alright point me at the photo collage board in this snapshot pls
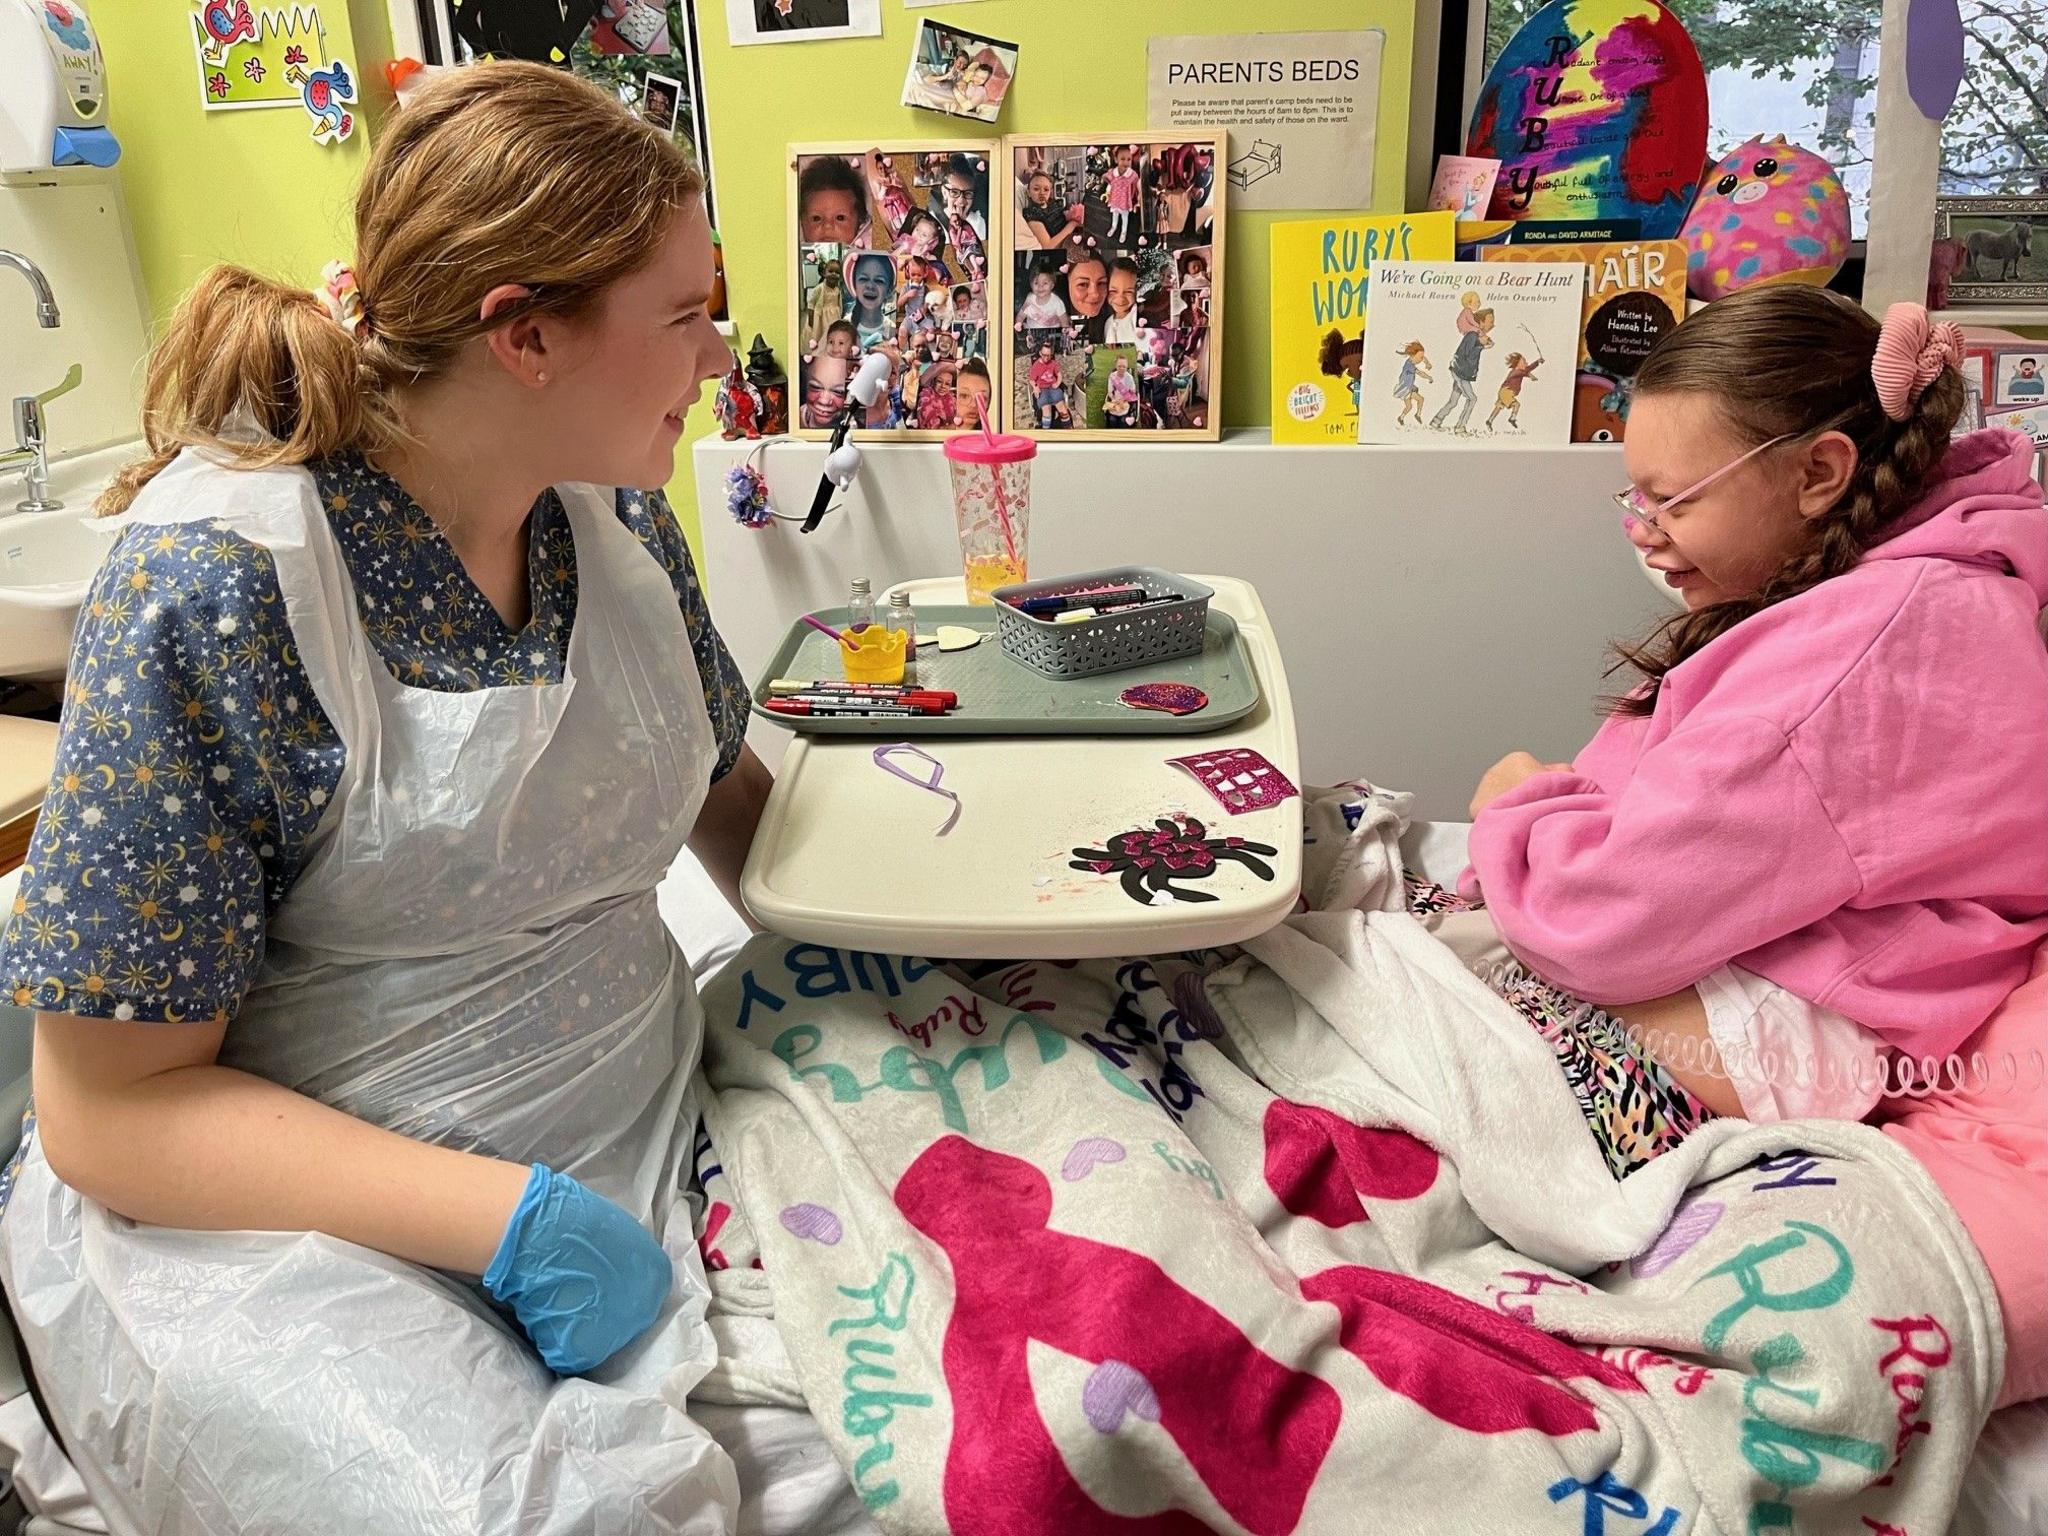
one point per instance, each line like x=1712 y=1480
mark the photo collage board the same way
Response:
x=1065 y=286
x=1114 y=286
x=893 y=259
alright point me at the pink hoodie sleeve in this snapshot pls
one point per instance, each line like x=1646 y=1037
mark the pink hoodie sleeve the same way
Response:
x=1718 y=844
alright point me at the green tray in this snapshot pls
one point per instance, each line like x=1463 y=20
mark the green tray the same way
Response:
x=1000 y=697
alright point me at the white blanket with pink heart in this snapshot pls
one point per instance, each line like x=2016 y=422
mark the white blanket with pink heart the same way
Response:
x=1300 y=1241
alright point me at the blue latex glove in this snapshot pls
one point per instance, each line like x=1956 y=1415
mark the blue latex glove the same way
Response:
x=583 y=1278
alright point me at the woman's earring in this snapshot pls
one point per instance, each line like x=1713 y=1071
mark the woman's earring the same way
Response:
x=541 y=377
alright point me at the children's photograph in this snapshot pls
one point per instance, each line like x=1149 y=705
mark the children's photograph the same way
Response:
x=959 y=73
x=658 y=101
x=891 y=259
x=1100 y=292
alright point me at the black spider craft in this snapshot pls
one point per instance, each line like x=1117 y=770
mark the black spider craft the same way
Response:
x=1178 y=847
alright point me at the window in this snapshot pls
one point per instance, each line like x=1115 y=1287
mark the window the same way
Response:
x=1808 y=69
x=1995 y=141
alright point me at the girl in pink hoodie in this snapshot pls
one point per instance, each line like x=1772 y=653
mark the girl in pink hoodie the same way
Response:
x=1817 y=832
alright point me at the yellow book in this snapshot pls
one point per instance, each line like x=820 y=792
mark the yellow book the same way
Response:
x=1321 y=279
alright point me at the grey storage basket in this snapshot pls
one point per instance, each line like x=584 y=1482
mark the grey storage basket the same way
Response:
x=1111 y=642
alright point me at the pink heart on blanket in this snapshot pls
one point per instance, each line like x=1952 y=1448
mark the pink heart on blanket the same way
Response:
x=812 y=1222
x=1113 y=1390
x=1086 y=1154
x=1689 y=1223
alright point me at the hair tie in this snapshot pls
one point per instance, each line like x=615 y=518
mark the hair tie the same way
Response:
x=342 y=297
x=1911 y=353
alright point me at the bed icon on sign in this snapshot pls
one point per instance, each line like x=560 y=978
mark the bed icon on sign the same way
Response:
x=1255 y=164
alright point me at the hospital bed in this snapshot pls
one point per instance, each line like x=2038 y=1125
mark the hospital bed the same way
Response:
x=790 y=1481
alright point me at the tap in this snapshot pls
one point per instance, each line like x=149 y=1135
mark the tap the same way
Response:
x=31 y=451
x=46 y=301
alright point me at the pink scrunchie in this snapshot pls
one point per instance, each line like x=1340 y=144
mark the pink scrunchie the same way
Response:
x=1911 y=352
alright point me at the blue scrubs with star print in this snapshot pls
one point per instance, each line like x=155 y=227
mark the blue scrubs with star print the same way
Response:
x=194 y=760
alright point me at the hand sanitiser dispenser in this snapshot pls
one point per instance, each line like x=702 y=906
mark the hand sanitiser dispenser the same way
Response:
x=53 y=89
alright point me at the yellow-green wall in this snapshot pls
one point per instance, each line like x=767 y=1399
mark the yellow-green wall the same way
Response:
x=204 y=187
x=252 y=187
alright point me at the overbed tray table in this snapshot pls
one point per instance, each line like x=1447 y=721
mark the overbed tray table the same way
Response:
x=846 y=854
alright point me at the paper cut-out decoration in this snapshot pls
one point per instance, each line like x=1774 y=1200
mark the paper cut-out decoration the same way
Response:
x=1176 y=848
x=956 y=637
x=1597 y=110
x=225 y=25
x=246 y=52
x=1770 y=212
x=1934 y=55
x=324 y=93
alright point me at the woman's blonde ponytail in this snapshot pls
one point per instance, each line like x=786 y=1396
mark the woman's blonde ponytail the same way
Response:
x=256 y=372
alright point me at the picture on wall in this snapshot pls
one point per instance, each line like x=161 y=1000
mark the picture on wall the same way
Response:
x=1999 y=249
x=892 y=258
x=1113 y=298
x=1473 y=351
x=959 y=73
x=645 y=52
x=2019 y=374
x=800 y=21
x=269 y=56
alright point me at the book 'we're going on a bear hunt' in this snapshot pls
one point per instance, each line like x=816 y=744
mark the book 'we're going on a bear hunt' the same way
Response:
x=1471 y=352
x=1322 y=270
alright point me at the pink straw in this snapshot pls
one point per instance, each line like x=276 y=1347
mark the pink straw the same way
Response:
x=996 y=479
x=826 y=629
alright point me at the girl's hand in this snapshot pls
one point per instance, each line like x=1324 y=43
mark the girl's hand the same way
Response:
x=1509 y=773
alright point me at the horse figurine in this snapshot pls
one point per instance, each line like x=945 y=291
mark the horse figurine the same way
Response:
x=2008 y=250
x=323 y=91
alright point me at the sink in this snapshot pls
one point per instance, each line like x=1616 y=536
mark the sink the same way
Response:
x=47 y=561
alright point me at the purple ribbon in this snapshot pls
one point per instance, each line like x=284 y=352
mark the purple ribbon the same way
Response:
x=930 y=782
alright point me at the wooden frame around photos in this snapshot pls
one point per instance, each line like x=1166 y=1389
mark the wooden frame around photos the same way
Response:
x=1965 y=293
x=1002 y=192
x=993 y=246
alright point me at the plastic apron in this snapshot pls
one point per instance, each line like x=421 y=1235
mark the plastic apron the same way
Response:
x=471 y=955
